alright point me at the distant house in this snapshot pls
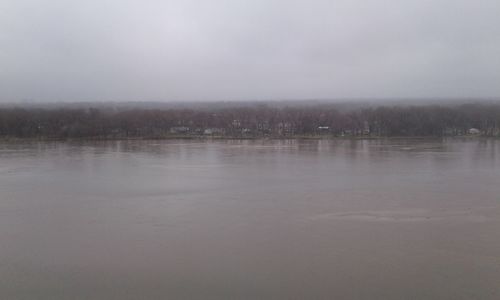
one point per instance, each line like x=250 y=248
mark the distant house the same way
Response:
x=263 y=126
x=323 y=129
x=179 y=129
x=474 y=131
x=236 y=123
x=366 y=128
x=212 y=131
x=285 y=128
x=347 y=132
x=208 y=131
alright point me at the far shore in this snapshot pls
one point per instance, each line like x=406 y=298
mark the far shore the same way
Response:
x=205 y=138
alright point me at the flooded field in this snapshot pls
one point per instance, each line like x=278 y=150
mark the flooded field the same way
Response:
x=240 y=219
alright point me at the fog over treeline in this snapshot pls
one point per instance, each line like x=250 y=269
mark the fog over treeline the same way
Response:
x=249 y=120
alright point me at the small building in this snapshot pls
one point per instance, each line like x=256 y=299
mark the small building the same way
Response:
x=213 y=131
x=323 y=129
x=285 y=128
x=179 y=129
x=263 y=126
x=236 y=123
x=366 y=128
x=474 y=131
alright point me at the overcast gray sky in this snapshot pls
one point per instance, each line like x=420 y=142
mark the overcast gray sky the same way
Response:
x=133 y=50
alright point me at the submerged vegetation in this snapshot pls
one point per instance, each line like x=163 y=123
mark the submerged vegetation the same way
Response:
x=256 y=120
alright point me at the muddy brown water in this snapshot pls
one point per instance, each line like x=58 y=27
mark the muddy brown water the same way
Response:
x=289 y=219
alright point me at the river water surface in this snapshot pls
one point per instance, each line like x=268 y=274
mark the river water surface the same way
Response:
x=379 y=219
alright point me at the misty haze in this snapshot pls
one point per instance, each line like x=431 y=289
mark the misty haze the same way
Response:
x=249 y=149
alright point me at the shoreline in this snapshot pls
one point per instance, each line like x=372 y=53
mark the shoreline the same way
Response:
x=219 y=138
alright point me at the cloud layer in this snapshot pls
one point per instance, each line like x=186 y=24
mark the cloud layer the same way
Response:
x=181 y=50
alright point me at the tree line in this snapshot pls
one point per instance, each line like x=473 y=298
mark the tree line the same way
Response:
x=258 y=120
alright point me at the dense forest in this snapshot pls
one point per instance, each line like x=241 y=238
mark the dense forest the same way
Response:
x=257 y=120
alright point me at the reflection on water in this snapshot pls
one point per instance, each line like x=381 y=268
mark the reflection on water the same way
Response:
x=242 y=219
